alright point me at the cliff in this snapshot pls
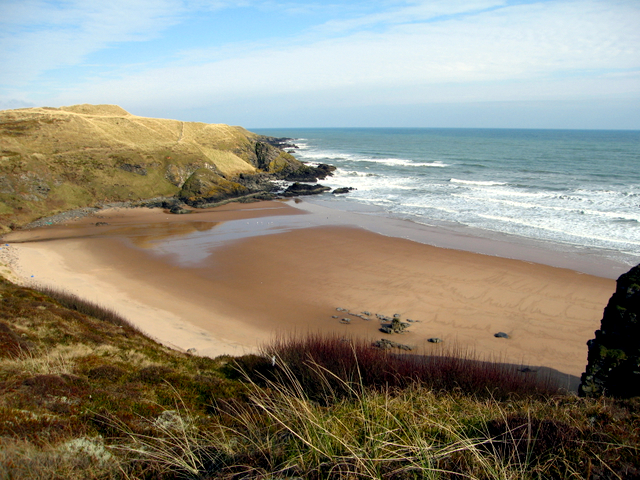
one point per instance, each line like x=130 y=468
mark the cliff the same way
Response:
x=57 y=159
x=613 y=366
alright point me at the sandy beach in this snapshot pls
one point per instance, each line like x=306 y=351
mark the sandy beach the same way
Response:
x=226 y=280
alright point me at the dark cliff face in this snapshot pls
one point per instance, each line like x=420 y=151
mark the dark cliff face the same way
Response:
x=613 y=366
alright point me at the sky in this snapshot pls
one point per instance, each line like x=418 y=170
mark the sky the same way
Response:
x=287 y=63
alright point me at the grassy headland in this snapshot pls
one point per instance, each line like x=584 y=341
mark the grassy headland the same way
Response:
x=85 y=395
x=57 y=159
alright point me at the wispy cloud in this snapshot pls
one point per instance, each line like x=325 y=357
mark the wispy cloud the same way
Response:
x=412 y=12
x=37 y=36
x=360 y=53
x=524 y=42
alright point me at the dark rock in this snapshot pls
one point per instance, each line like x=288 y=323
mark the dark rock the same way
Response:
x=257 y=197
x=257 y=182
x=133 y=168
x=307 y=173
x=323 y=171
x=385 y=344
x=266 y=155
x=501 y=335
x=298 y=189
x=435 y=340
x=613 y=361
x=178 y=210
x=163 y=203
x=342 y=190
x=279 y=142
x=272 y=160
x=101 y=224
x=345 y=320
x=205 y=186
x=396 y=326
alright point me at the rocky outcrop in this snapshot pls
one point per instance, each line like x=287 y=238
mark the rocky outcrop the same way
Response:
x=285 y=166
x=613 y=364
x=307 y=173
x=396 y=326
x=133 y=168
x=206 y=186
x=298 y=189
x=272 y=160
x=279 y=142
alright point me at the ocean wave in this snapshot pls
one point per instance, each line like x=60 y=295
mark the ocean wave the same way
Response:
x=567 y=234
x=612 y=215
x=477 y=182
x=324 y=155
x=353 y=173
x=401 y=162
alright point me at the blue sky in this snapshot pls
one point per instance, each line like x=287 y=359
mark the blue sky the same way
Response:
x=385 y=63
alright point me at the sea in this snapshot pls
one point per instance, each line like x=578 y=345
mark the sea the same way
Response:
x=578 y=188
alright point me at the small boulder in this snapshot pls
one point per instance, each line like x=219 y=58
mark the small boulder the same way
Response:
x=434 y=340
x=342 y=190
x=178 y=210
x=501 y=335
x=385 y=344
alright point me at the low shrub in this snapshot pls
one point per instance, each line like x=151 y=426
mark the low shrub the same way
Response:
x=327 y=366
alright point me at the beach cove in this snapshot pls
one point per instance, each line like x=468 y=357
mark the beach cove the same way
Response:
x=228 y=280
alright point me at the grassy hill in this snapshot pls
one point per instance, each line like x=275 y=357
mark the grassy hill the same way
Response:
x=57 y=159
x=83 y=395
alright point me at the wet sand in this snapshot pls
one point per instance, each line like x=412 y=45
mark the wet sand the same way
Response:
x=228 y=280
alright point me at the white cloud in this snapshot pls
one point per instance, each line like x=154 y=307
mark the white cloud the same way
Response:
x=527 y=45
x=38 y=36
